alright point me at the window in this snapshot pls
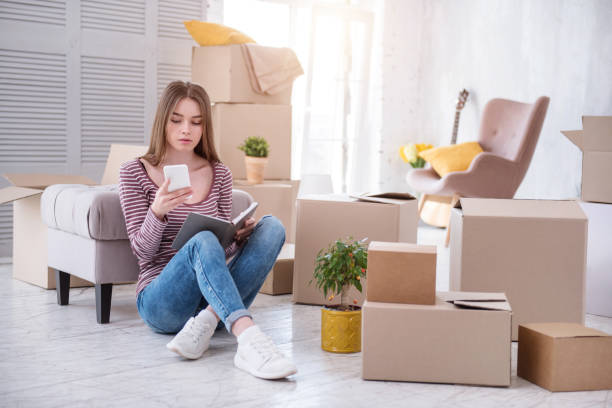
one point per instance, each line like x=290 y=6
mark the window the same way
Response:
x=333 y=41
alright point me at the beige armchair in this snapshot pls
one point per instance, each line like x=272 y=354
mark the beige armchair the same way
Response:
x=509 y=132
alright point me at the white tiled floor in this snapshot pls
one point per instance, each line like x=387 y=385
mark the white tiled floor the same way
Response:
x=59 y=356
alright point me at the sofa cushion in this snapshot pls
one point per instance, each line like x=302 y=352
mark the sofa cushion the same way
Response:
x=89 y=211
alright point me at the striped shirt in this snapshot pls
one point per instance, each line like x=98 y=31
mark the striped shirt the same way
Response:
x=150 y=237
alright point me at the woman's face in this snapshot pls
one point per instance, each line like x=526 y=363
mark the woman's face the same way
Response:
x=184 y=128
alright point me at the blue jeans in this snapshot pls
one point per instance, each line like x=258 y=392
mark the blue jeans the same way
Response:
x=198 y=276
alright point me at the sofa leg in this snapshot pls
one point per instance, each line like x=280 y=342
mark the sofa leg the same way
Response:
x=62 y=287
x=104 y=293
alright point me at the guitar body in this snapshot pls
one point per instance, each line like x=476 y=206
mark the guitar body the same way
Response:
x=435 y=209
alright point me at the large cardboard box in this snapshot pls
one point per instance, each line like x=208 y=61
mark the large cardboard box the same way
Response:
x=463 y=339
x=565 y=357
x=30 y=232
x=595 y=141
x=599 y=259
x=322 y=219
x=222 y=71
x=277 y=198
x=533 y=250
x=280 y=278
x=400 y=272
x=233 y=123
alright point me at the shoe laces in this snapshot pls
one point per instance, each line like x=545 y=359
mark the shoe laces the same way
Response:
x=265 y=347
x=197 y=330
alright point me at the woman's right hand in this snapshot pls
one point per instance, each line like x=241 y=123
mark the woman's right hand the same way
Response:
x=165 y=202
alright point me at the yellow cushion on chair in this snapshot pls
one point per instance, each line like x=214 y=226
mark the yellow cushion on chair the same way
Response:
x=447 y=159
x=215 y=34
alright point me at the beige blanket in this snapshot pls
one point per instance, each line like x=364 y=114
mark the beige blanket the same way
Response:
x=271 y=69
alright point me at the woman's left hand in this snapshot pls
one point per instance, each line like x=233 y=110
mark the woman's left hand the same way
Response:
x=243 y=233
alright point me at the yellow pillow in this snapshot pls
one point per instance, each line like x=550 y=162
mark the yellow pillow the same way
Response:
x=215 y=34
x=447 y=159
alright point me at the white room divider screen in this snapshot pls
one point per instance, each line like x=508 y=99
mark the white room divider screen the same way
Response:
x=76 y=76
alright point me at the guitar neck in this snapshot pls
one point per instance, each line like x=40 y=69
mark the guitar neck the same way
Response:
x=455 y=127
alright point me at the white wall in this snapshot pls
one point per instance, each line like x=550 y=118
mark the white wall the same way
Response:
x=512 y=49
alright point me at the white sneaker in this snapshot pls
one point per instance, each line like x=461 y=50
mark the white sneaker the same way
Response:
x=194 y=338
x=259 y=356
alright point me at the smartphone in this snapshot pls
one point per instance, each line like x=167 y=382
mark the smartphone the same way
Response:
x=178 y=175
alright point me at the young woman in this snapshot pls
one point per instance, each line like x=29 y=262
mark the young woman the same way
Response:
x=191 y=290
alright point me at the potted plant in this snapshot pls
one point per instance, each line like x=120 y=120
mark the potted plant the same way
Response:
x=256 y=157
x=342 y=265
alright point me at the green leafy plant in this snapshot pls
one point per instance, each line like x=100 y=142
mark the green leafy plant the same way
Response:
x=342 y=265
x=255 y=146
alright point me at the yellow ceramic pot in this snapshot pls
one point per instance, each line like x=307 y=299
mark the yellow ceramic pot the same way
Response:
x=341 y=331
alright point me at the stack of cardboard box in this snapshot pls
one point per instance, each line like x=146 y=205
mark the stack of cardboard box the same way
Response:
x=239 y=112
x=595 y=140
x=411 y=334
x=324 y=218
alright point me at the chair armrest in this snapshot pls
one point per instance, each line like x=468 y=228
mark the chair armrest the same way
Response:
x=89 y=211
x=489 y=175
x=486 y=160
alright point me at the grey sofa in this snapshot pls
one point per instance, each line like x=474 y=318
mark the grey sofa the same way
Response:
x=88 y=239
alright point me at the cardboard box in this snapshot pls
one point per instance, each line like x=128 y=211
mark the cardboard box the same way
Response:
x=599 y=259
x=222 y=71
x=463 y=339
x=30 y=232
x=533 y=250
x=280 y=278
x=322 y=219
x=233 y=123
x=276 y=198
x=399 y=272
x=565 y=357
x=595 y=141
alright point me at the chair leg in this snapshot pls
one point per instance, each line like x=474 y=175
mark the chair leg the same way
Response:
x=62 y=287
x=454 y=202
x=421 y=203
x=104 y=293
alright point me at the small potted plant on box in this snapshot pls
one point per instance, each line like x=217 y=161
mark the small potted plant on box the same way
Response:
x=256 y=157
x=342 y=265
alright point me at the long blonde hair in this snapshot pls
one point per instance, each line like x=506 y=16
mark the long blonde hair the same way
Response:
x=172 y=95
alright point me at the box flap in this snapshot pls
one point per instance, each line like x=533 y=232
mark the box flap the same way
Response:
x=493 y=207
x=42 y=180
x=327 y=197
x=564 y=330
x=266 y=184
x=118 y=155
x=597 y=134
x=477 y=300
x=385 y=198
x=575 y=136
x=401 y=247
x=13 y=193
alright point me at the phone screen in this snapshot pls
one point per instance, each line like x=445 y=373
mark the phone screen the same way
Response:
x=178 y=175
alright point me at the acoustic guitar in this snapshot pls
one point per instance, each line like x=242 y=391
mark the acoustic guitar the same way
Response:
x=435 y=209
x=463 y=95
